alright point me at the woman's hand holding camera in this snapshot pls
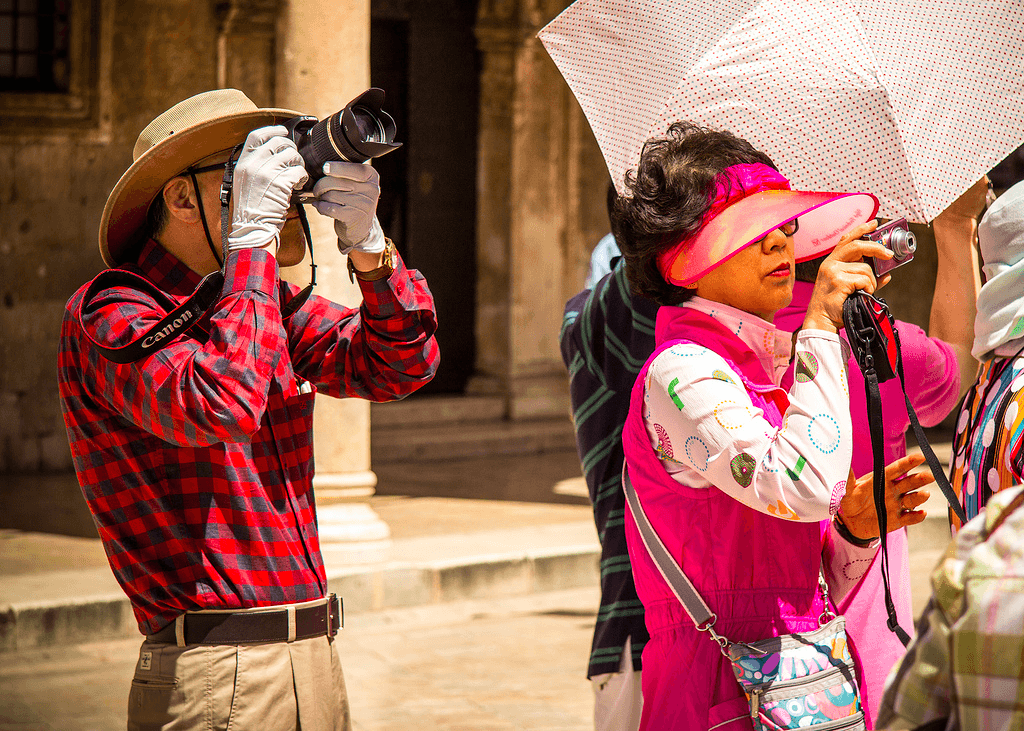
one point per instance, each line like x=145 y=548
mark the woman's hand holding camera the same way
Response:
x=268 y=171
x=840 y=275
x=903 y=497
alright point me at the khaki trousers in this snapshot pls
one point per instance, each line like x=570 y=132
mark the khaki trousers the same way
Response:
x=277 y=686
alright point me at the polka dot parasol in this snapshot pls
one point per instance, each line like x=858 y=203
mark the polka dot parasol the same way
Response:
x=910 y=100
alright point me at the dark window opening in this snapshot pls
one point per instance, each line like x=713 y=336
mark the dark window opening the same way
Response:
x=34 y=45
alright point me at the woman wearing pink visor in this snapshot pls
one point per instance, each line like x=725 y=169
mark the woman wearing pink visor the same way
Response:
x=746 y=484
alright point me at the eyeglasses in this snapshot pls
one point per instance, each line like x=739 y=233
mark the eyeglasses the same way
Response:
x=207 y=168
x=788 y=229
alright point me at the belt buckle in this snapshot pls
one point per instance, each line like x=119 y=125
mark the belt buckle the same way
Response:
x=332 y=629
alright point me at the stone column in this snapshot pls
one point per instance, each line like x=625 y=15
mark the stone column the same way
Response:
x=323 y=63
x=533 y=148
x=246 y=47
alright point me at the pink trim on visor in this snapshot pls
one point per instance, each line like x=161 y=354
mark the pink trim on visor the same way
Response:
x=751 y=201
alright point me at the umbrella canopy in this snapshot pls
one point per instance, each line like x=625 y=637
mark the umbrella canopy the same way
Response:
x=910 y=100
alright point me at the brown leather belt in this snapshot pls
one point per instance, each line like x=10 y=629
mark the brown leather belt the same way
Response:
x=281 y=623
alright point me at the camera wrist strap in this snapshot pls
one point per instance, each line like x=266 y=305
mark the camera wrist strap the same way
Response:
x=878 y=493
x=288 y=308
x=870 y=341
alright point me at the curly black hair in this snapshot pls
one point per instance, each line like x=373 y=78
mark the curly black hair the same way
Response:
x=667 y=197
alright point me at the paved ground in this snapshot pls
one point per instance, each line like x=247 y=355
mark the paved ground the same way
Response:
x=515 y=662
x=483 y=665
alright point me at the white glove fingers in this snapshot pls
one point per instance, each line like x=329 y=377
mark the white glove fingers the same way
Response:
x=356 y=199
x=291 y=162
x=340 y=211
x=338 y=189
x=279 y=145
x=351 y=171
x=267 y=172
x=258 y=136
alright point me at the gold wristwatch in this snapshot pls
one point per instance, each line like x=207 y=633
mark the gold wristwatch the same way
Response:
x=382 y=272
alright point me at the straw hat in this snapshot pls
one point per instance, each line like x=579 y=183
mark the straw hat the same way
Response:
x=188 y=132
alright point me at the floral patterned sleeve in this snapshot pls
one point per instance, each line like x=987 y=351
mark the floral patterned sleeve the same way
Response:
x=707 y=430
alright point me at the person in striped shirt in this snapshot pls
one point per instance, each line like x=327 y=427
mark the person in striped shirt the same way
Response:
x=607 y=334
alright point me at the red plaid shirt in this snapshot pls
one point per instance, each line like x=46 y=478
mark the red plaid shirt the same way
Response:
x=197 y=461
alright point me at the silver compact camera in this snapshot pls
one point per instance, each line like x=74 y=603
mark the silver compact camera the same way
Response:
x=897 y=238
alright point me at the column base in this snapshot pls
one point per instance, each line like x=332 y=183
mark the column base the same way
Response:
x=353 y=528
x=345 y=485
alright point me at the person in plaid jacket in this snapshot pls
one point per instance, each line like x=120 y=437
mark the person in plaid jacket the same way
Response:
x=196 y=459
x=964 y=667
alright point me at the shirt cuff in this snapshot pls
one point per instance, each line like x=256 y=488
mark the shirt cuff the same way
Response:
x=848 y=563
x=386 y=297
x=250 y=270
x=818 y=334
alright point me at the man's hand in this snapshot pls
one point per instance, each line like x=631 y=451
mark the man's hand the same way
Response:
x=348 y=193
x=903 y=497
x=268 y=171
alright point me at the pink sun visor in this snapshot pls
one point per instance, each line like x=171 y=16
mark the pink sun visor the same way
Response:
x=750 y=202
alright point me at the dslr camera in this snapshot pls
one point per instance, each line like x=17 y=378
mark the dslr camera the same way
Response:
x=359 y=132
x=897 y=238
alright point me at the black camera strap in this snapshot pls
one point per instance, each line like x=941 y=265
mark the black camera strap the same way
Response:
x=872 y=334
x=288 y=308
x=178 y=320
x=181 y=317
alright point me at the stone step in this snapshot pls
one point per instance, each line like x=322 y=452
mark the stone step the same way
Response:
x=448 y=440
x=50 y=608
x=433 y=410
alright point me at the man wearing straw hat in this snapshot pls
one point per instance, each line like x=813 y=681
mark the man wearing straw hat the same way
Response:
x=191 y=425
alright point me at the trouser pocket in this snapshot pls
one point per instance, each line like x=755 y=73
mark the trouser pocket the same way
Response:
x=150 y=702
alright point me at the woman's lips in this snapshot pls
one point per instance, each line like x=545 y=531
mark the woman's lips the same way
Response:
x=780 y=271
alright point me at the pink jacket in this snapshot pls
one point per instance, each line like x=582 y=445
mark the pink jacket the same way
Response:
x=757 y=572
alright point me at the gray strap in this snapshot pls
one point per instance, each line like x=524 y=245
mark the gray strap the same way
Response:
x=685 y=592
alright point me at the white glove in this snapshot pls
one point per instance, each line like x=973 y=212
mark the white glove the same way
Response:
x=268 y=171
x=348 y=193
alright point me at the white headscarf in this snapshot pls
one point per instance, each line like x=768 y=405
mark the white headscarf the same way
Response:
x=1001 y=300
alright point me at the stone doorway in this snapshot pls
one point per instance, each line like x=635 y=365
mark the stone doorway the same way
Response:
x=424 y=55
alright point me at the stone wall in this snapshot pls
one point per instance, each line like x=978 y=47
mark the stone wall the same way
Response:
x=54 y=180
x=540 y=209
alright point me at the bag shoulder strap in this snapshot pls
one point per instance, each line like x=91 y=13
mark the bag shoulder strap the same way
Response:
x=677 y=581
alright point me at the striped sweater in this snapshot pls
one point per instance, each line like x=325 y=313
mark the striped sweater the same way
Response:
x=607 y=335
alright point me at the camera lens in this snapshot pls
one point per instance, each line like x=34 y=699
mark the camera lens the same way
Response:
x=368 y=125
x=359 y=132
x=903 y=243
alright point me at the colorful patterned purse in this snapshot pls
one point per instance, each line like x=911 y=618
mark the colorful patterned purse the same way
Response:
x=801 y=680
x=796 y=681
